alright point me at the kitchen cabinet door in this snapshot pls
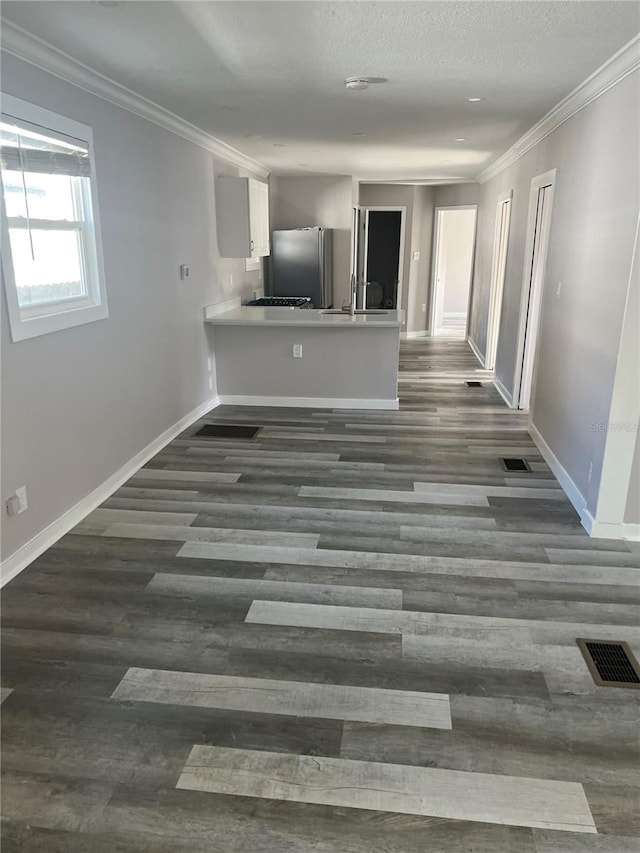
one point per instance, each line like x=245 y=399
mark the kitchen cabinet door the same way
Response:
x=242 y=217
x=259 y=216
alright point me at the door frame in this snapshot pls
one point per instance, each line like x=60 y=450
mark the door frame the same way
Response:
x=433 y=300
x=531 y=299
x=498 y=277
x=389 y=208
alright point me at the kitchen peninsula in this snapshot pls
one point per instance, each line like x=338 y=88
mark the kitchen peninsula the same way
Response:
x=306 y=358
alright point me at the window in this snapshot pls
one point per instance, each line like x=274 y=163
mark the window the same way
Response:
x=51 y=244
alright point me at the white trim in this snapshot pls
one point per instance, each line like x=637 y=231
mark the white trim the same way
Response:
x=431 y=328
x=610 y=530
x=308 y=402
x=475 y=350
x=532 y=290
x=631 y=531
x=217 y=308
x=498 y=274
x=500 y=388
x=617 y=459
x=36 y=51
x=408 y=336
x=568 y=486
x=32 y=321
x=402 y=210
x=25 y=555
x=615 y=69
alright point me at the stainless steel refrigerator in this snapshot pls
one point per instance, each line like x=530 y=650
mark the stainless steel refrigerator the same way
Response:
x=302 y=264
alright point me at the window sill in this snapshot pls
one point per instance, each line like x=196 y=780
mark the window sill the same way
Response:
x=22 y=328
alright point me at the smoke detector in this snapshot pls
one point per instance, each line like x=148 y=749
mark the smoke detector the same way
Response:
x=356 y=84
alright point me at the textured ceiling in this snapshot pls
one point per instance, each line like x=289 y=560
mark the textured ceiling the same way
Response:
x=276 y=69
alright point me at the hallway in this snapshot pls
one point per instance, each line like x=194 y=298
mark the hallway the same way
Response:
x=354 y=633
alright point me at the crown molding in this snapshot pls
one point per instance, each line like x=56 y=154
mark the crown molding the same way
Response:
x=30 y=48
x=615 y=69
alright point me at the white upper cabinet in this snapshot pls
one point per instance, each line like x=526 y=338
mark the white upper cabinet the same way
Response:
x=242 y=214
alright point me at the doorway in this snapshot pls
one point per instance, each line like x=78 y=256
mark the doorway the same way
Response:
x=454 y=240
x=498 y=270
x=379 y=256
x=535 y=262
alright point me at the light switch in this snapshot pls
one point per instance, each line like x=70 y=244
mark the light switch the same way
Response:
x=297 y=350
x=184 y=271
x=416 y=256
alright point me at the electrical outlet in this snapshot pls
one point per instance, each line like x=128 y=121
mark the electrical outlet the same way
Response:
x=209 y=363
x=211 y=383
x=424 y=307
x=184 y=271
x=297 y=350
x=416 y=256
x=17 y=502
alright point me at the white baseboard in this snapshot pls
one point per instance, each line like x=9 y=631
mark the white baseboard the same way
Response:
x=609 y=529
x=631 y=532
x=25 y=555
x=497 y=384
x=308 y=402
x=409 y=336
x=475 y=350
x=595 y=529
x=568 y=486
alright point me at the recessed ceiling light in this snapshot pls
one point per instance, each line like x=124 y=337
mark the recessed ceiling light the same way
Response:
x=356 y=84
x=358 y=134
x=461 y=139
x=304 y=164
x=475 y=100
x=254 y=136
x=279 y=145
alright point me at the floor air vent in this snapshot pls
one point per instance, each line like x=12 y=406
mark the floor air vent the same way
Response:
x=511 y=464
x=227 y=431
x=610 y=663
x=474 y=384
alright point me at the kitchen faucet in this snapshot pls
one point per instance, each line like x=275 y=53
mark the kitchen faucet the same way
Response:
x=354 y=291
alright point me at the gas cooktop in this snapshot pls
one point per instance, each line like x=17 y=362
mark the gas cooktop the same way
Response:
x=282 y=302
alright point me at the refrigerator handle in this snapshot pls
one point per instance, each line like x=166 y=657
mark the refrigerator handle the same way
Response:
x=321 y=269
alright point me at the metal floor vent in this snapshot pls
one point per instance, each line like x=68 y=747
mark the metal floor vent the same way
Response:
x=227 y=431
x=611 y=663
x=473 y=383
x=512 y=464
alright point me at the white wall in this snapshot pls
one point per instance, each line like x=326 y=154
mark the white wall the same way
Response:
x=300 y=202
x=453 y=195
x=419 y=295
x=347 y=363
x=632 y=509
x=78 y=404
x=457 y=250
x=591 y=244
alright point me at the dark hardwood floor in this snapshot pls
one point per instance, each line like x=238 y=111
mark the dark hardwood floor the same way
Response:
x=354 y=633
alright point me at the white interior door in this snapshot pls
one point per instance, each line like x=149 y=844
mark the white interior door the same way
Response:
x=539 y=228
x=441 y=274
x=498 y=270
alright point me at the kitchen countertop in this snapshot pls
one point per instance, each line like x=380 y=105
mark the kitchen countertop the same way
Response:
x=311 y=318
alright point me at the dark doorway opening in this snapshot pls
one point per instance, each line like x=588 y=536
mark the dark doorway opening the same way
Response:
x=383 y=258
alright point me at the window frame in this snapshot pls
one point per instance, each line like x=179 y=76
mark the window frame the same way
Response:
x=41 y=319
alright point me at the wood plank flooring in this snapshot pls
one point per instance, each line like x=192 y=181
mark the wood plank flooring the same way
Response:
x=354 y=633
